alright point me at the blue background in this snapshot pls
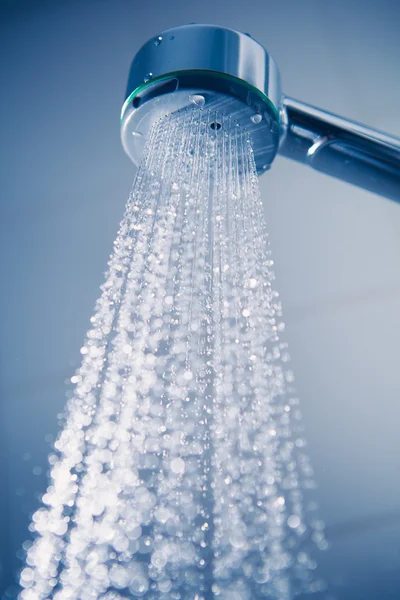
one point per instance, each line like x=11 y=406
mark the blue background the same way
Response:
x=64 y=183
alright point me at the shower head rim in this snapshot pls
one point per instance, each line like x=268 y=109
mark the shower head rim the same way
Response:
x=274 y=113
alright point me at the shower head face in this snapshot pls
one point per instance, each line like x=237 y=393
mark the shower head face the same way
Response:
x=207 y=66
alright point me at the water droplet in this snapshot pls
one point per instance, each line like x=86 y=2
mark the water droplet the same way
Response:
x=158 y=40
x=148 y=77
x=178 y=466
x=293 y=521
x=237 y=538
x=197 y=99
x=257 y=118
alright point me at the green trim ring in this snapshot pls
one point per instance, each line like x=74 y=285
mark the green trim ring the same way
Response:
x=195 y=78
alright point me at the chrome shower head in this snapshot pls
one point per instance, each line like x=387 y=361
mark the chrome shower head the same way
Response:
x=229 y=72
x=210 y=66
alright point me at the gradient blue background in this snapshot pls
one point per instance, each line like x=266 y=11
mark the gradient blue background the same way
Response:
x=64 y=182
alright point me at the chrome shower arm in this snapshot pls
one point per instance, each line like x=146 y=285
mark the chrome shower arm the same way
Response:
x=341 y=148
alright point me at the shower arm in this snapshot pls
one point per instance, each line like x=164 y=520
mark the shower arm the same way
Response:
x=341 y=148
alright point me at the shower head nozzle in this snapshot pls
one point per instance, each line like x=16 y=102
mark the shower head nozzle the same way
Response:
x=209 y=66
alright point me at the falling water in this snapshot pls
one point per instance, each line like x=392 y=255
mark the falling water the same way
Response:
x=180 y=472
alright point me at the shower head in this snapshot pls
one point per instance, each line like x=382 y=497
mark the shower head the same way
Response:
x=232 y=75
x=204 y=65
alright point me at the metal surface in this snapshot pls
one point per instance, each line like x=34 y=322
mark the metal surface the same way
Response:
x=235 y=75
x=341 y=148
x=207 y=48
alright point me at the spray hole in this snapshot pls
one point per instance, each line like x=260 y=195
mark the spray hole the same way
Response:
x=216 y=126
x=136 y=101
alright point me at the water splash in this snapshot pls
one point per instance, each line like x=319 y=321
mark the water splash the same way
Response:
x=180 y=472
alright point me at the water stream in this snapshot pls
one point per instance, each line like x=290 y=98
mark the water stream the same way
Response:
x=180 y=472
